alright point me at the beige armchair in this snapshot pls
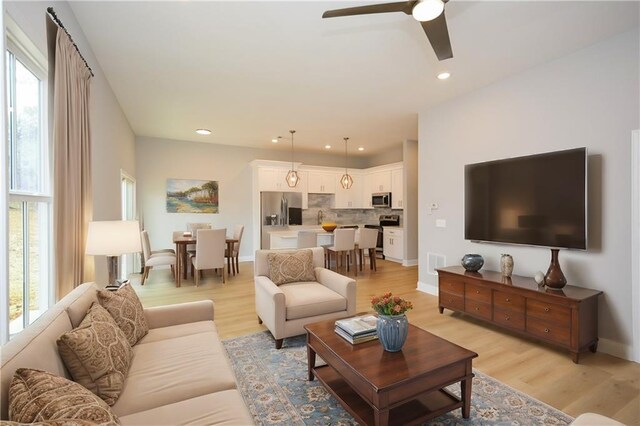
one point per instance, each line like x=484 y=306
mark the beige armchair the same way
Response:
x=286 y=308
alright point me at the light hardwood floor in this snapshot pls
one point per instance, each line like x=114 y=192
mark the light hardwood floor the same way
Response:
x=600 y=383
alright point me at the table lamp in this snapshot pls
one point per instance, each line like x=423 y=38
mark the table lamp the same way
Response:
x=113 y=238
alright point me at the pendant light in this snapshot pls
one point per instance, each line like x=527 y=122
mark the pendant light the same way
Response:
x=292 y=177
x=346 y=180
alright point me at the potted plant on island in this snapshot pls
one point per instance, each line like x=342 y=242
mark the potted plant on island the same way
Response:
x=392 y=325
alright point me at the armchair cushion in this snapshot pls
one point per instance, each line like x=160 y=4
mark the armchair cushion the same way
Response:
x=291 y=267
x=308 y=299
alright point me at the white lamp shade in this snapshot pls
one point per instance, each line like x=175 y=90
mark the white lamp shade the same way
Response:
x=427 y=10
x=113 y=238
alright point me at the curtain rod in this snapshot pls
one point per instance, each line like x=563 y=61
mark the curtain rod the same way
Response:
x=54 y=17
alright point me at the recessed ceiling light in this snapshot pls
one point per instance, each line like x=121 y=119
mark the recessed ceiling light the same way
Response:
x=274 y=140
x=360 y=148
x=444 y=75
x=203 y=131
x=327 y=147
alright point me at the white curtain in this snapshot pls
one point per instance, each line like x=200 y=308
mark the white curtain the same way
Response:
x=72 y=165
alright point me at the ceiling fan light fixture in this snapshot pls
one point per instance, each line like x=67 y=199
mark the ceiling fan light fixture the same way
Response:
x=427 y=10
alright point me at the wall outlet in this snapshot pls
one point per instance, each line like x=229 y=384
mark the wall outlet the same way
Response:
x=441 y=223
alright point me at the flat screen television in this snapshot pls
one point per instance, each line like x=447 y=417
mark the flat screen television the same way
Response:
x=538 y=200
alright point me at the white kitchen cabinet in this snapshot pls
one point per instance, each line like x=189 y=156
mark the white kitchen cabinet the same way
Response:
x=351 y=198
x=393 y=244
x=321 y=182
x=397 y=189
x=279 y=240
x=274 y=179
x=380 y=181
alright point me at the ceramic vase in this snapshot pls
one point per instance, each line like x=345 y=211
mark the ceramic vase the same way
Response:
x=506 y=265
x=392 y=331
x=472 y=262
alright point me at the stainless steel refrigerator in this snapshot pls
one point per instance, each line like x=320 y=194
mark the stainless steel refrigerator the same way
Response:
x=278 y=210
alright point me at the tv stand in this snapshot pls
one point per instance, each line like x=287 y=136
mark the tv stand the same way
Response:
x=566 y=317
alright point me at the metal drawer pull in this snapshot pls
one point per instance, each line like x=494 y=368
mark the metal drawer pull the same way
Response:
x=477 y=309
x=508 y=300
x=546 y=330
x=546 y=309
x=507 y=318
x=477 y=291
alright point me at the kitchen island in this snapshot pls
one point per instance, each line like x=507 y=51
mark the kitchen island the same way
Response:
x=288 y=239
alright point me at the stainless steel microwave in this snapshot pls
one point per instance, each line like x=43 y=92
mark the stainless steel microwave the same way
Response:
x=381 y=199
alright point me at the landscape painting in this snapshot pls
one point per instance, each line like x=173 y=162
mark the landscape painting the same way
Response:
x=192 y=196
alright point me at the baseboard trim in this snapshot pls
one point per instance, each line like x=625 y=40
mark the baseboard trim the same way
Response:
x=617 y=349
x=245 y=258
x=410 y=262
x=428 y=288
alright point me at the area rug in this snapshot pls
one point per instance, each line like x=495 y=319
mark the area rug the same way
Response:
x=275 y=387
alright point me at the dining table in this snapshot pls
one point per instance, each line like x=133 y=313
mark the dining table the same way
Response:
x=182 y=240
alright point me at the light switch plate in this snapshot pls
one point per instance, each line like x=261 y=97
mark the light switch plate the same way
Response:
x=441 y=223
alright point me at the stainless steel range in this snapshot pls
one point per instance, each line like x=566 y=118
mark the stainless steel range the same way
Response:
x=384 y=220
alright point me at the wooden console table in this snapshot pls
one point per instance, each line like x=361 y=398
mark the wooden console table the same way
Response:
x=566 y=317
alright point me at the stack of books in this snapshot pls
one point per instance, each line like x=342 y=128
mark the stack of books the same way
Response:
x=357 y=329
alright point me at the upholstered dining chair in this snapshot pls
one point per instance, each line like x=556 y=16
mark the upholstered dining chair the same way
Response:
x=344 y=240
x=210 y=248
x=293 y=289
x=367 y=239
x=193 y=228
x=155 y=259
x=238 y=230
x=307 y=239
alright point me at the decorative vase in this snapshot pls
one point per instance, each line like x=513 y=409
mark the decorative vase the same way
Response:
x=392 y=331
x=472 y=262
x=506 y=265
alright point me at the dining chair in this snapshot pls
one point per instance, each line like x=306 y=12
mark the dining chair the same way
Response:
x=193 y=228
x=155 y=259
x=238 y=230
x=343 y=247
x=145 y=235
x=210 y=248
x=367 y=240
x=307 y=239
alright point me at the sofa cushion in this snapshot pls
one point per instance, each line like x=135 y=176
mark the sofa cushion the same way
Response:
x=172 y=370
x=307 y=299
x=97 y=354
x=291 y=267
x=36 y=396
x=126 y=309
x=171 y=332
x=219 y=408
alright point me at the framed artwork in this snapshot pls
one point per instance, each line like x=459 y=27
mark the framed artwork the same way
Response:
x=192 y=196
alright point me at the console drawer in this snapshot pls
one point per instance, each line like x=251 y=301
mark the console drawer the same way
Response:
x=478 y=309
x=508 y=318
x=508 y=301
x=452 y=301
x=477 y=292
x=549 y=331
x=555 y=314
x=452 y=286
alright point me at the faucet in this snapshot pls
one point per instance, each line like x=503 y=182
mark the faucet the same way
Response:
x=320 y=217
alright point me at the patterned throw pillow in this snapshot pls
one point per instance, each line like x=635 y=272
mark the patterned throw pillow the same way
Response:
x=97 y=354
x=290 y=267
x=125 y=307
x=38 y=396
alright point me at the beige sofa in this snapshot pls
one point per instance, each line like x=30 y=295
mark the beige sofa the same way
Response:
x=179 y=374
x=286 y=308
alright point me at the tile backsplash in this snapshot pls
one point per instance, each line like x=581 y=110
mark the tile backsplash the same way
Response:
x=324 y=202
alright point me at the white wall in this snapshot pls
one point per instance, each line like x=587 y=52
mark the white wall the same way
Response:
x=113 y=141
x=160 y=159
x=589 y=98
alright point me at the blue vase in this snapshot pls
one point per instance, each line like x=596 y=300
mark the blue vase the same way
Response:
x=472 y=262
x=392 y=331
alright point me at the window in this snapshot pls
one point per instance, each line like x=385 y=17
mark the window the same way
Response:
x=128 y=262
x=29 y=198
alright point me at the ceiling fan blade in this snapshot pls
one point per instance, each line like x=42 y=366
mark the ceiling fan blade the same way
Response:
x=438 y=35
x=403 y=6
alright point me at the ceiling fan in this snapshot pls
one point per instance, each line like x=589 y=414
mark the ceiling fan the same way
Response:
x=430 y=13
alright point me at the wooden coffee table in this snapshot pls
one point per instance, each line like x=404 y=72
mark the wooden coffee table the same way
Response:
x=381 y=388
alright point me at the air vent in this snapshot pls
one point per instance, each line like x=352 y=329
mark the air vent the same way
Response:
x=435 y=261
